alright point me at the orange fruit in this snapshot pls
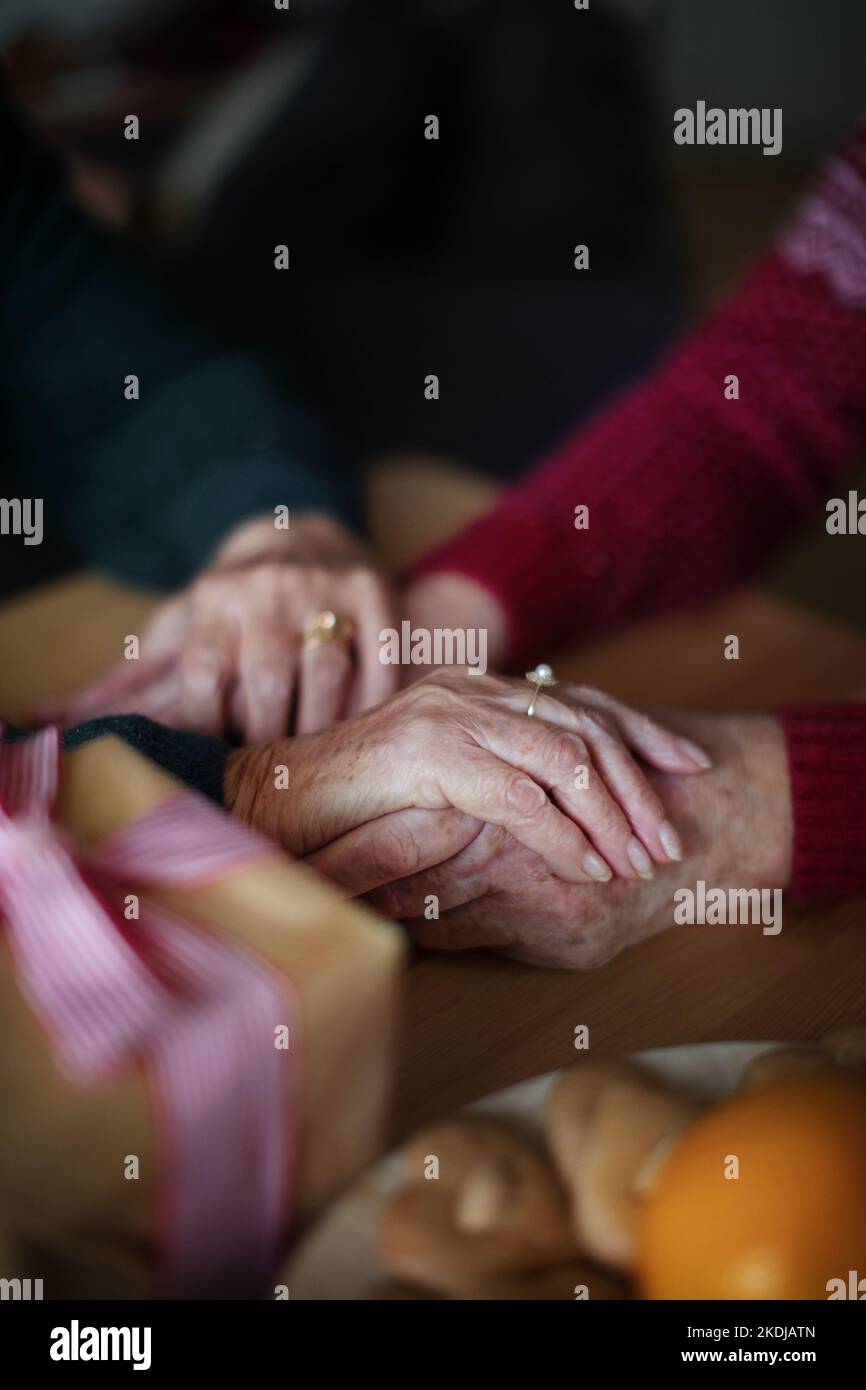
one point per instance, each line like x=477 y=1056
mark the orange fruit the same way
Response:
x=795 y=1217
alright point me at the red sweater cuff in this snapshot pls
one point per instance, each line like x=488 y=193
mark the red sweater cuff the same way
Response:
x=827 y=765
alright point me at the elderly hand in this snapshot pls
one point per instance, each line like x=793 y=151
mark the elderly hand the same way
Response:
x=494 y=893
x=464 y=743
x=226 y=656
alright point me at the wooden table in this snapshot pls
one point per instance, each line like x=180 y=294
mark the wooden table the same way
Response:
x=475 y=1023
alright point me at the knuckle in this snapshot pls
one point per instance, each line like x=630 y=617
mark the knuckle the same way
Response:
x=439 y=678
x=396 y=848
x=524 y=797
x=566 y=748
x=590 y=694
x=427 y=700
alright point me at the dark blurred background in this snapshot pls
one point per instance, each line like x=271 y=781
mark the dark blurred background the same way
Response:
x=260 y=127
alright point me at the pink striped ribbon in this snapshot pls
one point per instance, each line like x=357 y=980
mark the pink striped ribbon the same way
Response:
x=199 y=1012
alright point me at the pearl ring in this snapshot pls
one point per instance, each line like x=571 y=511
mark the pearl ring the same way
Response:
x=542 y=676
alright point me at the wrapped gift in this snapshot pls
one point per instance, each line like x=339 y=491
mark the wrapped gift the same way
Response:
x=196 y=1033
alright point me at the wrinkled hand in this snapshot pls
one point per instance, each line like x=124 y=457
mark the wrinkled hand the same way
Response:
x=494 y=893
x=225 y=655
x=464 y=742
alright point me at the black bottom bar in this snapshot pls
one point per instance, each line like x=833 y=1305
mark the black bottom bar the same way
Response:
x=226 y=1339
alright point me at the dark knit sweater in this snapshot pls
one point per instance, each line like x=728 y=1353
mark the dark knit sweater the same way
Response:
x=142 y=488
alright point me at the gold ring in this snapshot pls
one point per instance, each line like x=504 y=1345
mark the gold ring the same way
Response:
x=540 y=677
x=326 y=627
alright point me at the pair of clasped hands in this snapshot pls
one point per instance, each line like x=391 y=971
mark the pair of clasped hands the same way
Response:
x=441 y=787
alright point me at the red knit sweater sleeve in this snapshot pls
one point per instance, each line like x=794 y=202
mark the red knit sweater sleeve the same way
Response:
x=827 y=767
x=691 y=480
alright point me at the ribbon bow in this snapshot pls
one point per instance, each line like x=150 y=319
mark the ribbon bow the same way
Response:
x=198 y=1012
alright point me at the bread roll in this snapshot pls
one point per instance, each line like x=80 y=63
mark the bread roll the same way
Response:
x=495 y=1206
x=606 y=1122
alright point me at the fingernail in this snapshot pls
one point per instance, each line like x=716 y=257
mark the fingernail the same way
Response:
x=595 y=867
x=670 y=841
x=640 y=859
x=696 y=754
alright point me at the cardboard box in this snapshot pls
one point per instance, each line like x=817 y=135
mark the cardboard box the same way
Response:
x=65 y=1204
